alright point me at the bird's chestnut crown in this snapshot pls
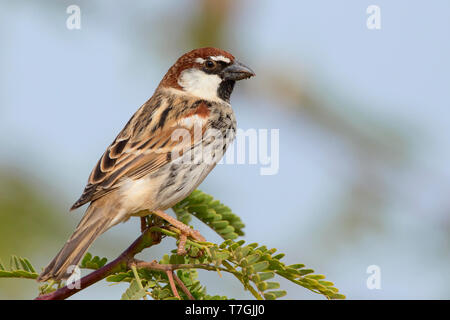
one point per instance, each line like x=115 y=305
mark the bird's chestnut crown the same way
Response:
x=208 y=73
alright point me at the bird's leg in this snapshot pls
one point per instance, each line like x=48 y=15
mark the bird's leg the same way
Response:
x=185 y=230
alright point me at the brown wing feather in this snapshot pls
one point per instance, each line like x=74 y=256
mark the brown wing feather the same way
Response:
x=140 y=149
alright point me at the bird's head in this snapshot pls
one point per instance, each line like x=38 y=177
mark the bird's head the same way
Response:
x=208 y=73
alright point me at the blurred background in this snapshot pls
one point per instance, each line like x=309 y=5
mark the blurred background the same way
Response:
x=364 y=119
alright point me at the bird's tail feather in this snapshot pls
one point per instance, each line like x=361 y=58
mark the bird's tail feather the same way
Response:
x=95 y=221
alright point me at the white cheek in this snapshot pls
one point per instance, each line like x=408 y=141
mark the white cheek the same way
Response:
x=200 y=84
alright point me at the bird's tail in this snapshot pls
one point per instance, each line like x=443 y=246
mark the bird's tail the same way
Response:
x=96 y=220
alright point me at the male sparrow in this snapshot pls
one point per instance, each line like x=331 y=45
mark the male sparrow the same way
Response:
x=146 y=169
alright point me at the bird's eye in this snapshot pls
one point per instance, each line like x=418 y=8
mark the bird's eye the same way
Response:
x=209 y=64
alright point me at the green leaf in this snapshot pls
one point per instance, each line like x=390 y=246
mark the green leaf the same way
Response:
x=14 y=263
x=263 y=286
x=90 y=262
x=326 y=283
x=24 y=265
x=266 y=275
x=337 y=296
x=220 y=224
x=253 y=258
x=134 y=292
x=19 y=268
x=306 y=271
x=272 y=295
x=272 y=285
x=269 y=296
x=315 y=276
x=30 y=266
x=121 y=277
x=296 y=266
x=260 y=266
x=18 y=274
x=213 y=213
x=87 y=257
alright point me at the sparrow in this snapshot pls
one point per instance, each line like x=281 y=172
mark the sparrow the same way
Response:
x=146 y=169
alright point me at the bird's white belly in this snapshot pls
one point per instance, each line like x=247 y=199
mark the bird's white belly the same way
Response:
x=163 y=189
x=135 y=193
x=174 y=181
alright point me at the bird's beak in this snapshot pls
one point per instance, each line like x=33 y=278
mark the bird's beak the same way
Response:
x=237 y=71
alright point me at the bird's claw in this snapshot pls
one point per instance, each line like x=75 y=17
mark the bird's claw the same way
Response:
x=184 y=233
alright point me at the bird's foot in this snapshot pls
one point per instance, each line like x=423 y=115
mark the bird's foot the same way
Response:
x=185 y=231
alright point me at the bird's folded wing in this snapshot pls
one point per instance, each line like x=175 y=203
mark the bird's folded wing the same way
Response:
x=132 y=156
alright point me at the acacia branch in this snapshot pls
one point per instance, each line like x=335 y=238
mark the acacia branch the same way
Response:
x=183 y=287
x=172 y=284
x=169 y=270
x=154 y=265
x=152 y=236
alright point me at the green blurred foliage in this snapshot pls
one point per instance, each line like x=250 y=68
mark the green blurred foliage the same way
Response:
x=29 y=222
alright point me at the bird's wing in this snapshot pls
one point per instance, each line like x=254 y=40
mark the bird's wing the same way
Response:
x=145 y=144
